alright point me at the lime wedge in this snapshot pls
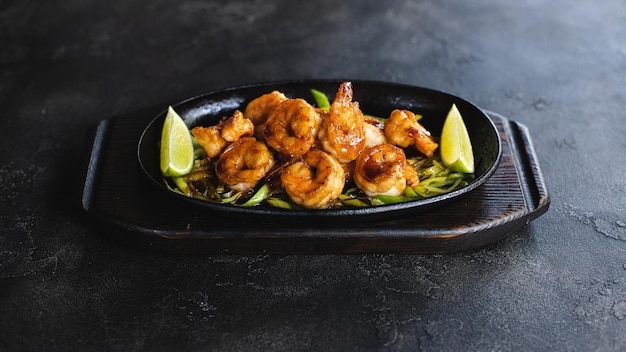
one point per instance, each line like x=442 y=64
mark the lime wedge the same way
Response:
x=456 y=147
x=177 y=155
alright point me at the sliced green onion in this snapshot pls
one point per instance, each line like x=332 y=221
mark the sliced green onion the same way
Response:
x=354 y=202
x=435 y=180
x=455 y=175
x=232 y=198
x=344 y=196
x=456 y=183
x=182 y=185
x=392 y=199
x=321 y=100
x=258 y=197
x=278 y=203
x=173 y=189
x=435 y=190
x=410 y=192
x=421 y=190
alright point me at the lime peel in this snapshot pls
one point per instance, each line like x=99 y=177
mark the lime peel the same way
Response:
x=456 y=147
x=177 y=150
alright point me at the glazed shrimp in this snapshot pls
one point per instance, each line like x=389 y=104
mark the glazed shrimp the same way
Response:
x=292 y=127
x=243 y=163
x=374 y=133
x=403 y=130
x=381 y=170
x=259 y=109
x=343 y=131
x=210 y=139
x=411 y=175
x=237 y=126
x=315 y=181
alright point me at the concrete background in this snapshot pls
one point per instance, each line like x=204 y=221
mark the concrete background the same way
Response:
x=559 y=67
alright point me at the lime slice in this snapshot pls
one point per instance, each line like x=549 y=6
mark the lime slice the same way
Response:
x=176 y=146
x=456 y=147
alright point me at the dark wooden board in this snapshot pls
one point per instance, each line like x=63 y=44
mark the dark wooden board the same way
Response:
x=125 y=208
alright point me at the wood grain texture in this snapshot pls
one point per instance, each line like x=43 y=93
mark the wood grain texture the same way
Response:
x=128 y=210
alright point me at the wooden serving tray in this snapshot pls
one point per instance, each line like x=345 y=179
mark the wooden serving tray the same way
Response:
x=127 y=209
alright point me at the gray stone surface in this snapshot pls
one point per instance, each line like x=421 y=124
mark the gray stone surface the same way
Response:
x=558 y=67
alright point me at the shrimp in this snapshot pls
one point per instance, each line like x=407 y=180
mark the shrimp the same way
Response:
x=237 y=126
x=411 y=175
x=403 y=130
x=381 y=170
x=210 y=139
x=343 y=131
x=292 y=127
x=243 y=163
x=315 y=181
x=374 y=133
x=213 y=139
x=259 y=109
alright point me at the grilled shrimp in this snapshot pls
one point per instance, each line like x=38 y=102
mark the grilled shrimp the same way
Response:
x=315 y=181
x=259 y=109
x=210 y=139
x=381 y=170
x=292 y=127
x=215 y=138
x=403 y=130
x=237 y=126
x=243 y=163
x=411 y=175
x=343 y=131
x=374 y=133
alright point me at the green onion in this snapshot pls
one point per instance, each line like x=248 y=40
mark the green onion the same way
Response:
x=278 y=203
x=438 y=180
x=183 y=187
x=392 y=199
x=258 y=197
x=321 y=100
x=410 y=192
x=344 y=196
x=354 y=202
x=230 y=199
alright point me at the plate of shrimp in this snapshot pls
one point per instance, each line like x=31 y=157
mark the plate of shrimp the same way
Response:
x=310 y=149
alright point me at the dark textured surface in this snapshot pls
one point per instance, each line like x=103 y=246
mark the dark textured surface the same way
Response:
x=558 y=67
